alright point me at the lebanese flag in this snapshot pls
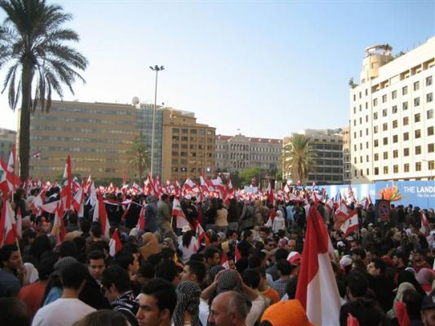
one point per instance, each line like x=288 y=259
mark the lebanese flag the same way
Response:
x=224 y=261
x=206 y=185
x=58 y=229
x=137 y=190
x=179 y=214
x=100 y=215
x=9 y=181
x=141 y=221
x=115 y=244
x=317 y=289
x=66 y=192
x=269 y=193
x=200 y=233
x=424 y=224
x=7 y=224
x=351 y=224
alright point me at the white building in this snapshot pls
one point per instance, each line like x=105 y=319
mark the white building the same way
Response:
x=392 y=116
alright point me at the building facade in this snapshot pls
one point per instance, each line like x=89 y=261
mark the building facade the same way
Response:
x=347 y=166
x=238 y=153
x=328 y=146
x=97 y=136
x=392 y=116
x=7 y=140
x=188 y=146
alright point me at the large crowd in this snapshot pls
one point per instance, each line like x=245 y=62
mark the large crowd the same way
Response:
x=235 y=262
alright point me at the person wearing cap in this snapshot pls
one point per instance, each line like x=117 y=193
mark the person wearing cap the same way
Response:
x=428 y=310
x=285 y=313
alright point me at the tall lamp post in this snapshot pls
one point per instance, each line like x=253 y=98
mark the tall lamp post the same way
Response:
x=156 y=68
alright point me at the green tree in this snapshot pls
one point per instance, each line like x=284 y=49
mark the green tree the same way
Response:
x=299 y=158
x=32 y=45
x=247 y=175
x=139 y=157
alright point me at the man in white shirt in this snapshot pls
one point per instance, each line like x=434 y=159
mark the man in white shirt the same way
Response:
x=68 y=309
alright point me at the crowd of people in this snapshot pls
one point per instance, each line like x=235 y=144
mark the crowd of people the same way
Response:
x=243 y=270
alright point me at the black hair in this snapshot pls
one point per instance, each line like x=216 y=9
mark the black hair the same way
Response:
x=154 y=259
x=164 y=293
x=291 y=287
x=284 y=267
x=413 y=301
x=130 y=247
x=359 y=252
x=210 y=252
x=39 y=246
x=242 y=264
x=99 y=245
x=6 y=252
x=67 y=249
x=187 y=238
x=366 y=311
x=46 y=265
x=117 y=276
x=379 y=263
x=254 y=261
x=13 y=312
x=73 y=218
x=357 y=284
x=85 y=225
x=251 y=278
x=214 y=238
x=281 y=253
x=103 y=317
x=73 y=275
x=167 y=253
x=147 y=270
x=167 y=270
x=96 y=230
x=124 y=259
x=96 y=255
x=198 y=257
x=246 y=234
x=197 y=268
x=164 y=197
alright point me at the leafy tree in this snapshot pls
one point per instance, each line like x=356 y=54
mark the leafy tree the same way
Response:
x=299 y=158
x=247 y=175
x=139 y=158
x=32 y=45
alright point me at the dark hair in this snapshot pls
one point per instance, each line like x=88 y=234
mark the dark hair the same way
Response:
x=39 y=246
x=246 y=234
x=164 y=197
x=130 y=247
x=46 y=265
x=187 y=237
x=67 y=249
x=281 y=253
x=198 y=257
x=85 y=225
x=96 y=255
x=413 y=301
x=13 y=312
x=103 y=317
x=359 y=252
x=357 y=284
x=96 y=230
x=251 y=278
x=73 y=275
x=154 y=259
x=147 y=270
x=210 y=252
x=254 y=261
x=265 y=229
x=6 y=252
x=401 y=255
x=167 y=270
x=73 y=218
x=379 y=263
x=242 y=264
x=284 y=267
x=197 y=268
x=167 y=253
x=366 y=311
x=164 y=293
x=117 y=276
x=124 y=259
x=99 y=245
x=214 y=238
x=291 y=287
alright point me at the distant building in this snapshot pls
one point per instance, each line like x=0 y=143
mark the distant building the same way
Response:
x=97 y=136
x=392 y=116
x=328 y=145
x=347 y=166
x=239 y=152
x=7 y=139
x=188 y=146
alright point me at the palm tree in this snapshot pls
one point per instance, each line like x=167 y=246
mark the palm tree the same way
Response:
x=32 y=44
x=139 y=157
x=298 y=157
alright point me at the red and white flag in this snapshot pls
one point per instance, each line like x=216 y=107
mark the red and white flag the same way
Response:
x=58 y=230
x=66 y=192
x=201 y=235
x=351 y=224
x=7 y=224
x=224 y=261
x=424 y=224
x=115 y=244
x=100 y=215
x=317 y=289
x=141 y=221
x=177 y=211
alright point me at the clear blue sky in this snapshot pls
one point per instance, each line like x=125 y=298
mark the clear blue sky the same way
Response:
x=266 y=67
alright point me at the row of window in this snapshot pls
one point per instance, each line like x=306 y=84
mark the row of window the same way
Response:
x=416 y=87
x=192 y=147
x=83 y=140
x=92 y=111
x=82 y=149
x=82 y=120
x=406 y=168
x=176 y=131
x=83 y=130
x=395 y=153
x=192 y=154
x=192 y=139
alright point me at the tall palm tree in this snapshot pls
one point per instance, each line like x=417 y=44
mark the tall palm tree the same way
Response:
x=32 y=45
x=299 y=157
x=139 y=157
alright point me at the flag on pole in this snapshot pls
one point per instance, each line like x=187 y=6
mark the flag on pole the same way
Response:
x=100 y=215
x=115 y=244
x=317 y=289
x=66 y=192
x=201 y=235
x=179 y=215
x=7 y=224
x=141 y=221
x=58 y=230
x=424 y=224
x=351 y=224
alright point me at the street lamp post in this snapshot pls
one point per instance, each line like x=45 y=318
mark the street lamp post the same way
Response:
x=156 y=68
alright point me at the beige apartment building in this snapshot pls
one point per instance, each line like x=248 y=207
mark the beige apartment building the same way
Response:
x=7 y=140
x=392 y=115
x=97 y=136
x=188 y=146
x=347 y=166
x=239 y=152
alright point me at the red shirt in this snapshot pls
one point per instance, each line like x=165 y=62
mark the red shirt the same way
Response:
x=32 y=296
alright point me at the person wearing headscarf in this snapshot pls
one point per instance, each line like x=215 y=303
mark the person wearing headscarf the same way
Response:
x=405 y=286
x=187 y=309
x=150 y=245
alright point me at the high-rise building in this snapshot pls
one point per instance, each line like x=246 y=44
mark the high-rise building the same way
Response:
x=7 y=139
x=392 y=115
x=347 y=166
x=238 y=153
x=188 y=146
x=97 y=136
x=328 y=146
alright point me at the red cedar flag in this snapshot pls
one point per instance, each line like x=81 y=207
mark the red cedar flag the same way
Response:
x=351 y=224
x=7 y=224
x=115 y=244
x=9 y=181
x=66 y=192
x=317 y=289
x=179 y=215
